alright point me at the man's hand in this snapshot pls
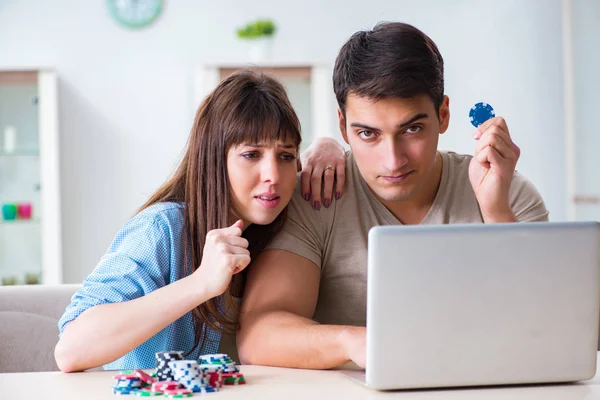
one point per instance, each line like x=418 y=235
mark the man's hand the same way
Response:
x=491 y=170
x=354 y=339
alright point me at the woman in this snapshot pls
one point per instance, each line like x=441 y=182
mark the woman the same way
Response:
x=168 y=278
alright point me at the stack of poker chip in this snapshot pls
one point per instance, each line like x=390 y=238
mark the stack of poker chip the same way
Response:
x=175 y=377
x=177 y=393
x=233 y=378
x=132 y=382
x=221 y=370
x=163 y=371
x=190 y=375
x=169 y=389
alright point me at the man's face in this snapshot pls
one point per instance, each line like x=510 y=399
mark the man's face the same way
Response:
x=394 y=142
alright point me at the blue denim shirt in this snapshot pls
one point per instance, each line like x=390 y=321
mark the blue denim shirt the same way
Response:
x=146 y=255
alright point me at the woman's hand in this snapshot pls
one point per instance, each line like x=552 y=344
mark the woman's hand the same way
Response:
x=225 y=254
x=323 y=163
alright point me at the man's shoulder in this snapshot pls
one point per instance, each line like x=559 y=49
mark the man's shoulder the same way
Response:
x=456 y=160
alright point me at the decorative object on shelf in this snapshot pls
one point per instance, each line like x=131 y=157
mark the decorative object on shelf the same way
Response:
x=32 y=279
x=259 y=34
x=9 y=280
x=10 y=139
x=14 y=211
x=24 y=210
x=9 y=211
x=135 y=13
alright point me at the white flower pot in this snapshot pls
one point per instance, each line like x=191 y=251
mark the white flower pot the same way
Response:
x=260 y=49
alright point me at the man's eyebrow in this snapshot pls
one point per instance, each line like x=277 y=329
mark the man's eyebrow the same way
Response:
x=413 y=119
x=364 y=126
x=400 y=125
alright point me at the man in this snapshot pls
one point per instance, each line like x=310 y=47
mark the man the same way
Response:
x=305 y=299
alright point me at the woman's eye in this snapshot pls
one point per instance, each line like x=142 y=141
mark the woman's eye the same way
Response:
x=366 y=134
x=288 y=157
x=250 y=155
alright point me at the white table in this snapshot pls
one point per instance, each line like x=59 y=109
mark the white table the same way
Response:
x=279 y=383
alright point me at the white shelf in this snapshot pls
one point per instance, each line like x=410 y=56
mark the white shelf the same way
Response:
x=21 y=153
x=30 y=221
x=33 y=244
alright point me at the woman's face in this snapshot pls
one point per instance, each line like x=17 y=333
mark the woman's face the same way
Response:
x=262 y=177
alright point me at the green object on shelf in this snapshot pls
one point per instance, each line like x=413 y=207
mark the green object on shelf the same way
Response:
x=257 y=29
x=9 y=211
x=9 y=281
x=32 y=279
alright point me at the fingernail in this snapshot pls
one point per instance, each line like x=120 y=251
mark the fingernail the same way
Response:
x=326 y=203
x=317 y=205
x=338 y=195
x=306 y=196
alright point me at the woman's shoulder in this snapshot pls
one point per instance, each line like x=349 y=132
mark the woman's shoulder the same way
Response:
x=163 y=213
x=158 y=222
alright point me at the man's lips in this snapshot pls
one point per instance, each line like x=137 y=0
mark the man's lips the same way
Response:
x=396 y=178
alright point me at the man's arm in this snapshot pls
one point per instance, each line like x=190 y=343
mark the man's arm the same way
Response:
x=526 y=202
x=275 y=321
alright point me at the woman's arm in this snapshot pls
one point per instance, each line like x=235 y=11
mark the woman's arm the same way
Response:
x=106 y=332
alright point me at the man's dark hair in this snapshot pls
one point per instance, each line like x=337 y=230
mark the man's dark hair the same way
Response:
x=392 y=60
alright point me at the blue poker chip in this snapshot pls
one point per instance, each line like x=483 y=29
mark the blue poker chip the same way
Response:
x=124 y=391
x=480 y=113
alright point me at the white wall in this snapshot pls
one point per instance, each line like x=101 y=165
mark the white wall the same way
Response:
x=586 y=88
x=126 y=96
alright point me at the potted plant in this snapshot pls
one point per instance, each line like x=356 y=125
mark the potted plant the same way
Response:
x=259 y=34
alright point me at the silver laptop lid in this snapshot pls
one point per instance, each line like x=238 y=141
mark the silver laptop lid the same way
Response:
x=469 y=305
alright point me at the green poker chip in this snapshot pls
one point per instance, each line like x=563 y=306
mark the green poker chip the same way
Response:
x=147 y=393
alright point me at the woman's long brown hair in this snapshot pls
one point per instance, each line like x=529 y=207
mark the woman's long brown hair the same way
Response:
x=246 y=107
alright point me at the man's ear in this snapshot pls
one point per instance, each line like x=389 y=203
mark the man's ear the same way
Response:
x=444 y=114
x=342 y=121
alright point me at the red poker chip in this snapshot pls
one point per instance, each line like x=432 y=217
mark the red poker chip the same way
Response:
x=144 y=377
x=226 y=375
x=177 y=391
x=165 y=385
x=126 y=377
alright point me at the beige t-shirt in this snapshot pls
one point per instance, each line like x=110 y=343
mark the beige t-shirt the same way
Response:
x=228 y=345
x=335 y=238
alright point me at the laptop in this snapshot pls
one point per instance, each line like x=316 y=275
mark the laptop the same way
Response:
x=481 y=304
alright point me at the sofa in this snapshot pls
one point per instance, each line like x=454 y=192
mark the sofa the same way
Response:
x=29 y=317
x=29 y=326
